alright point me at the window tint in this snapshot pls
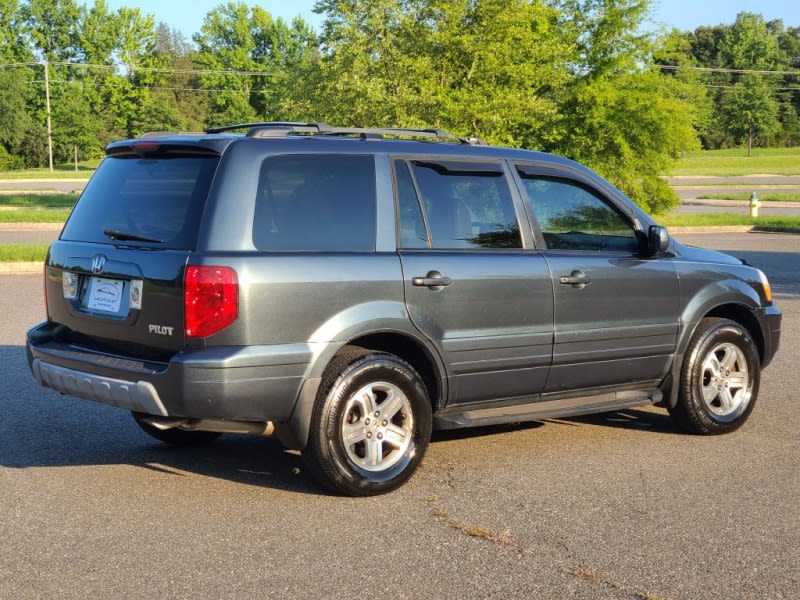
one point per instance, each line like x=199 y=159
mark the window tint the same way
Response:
x=316 y=202
x=468 y=205
x=159 y=198
x=412 y=225
x=573 y=217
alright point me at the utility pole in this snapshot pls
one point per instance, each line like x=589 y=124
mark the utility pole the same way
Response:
x=49 y=127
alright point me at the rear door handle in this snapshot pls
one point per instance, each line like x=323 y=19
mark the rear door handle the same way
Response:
x=577 y=278
x=433 y=280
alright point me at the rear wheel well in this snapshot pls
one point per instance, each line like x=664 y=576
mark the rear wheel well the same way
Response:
x=743 y=316
x=410 y=351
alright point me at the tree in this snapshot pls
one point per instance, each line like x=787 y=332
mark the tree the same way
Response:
x=53 y=28
x=253 y=56
x=628 y=123
x=486 y=68
x=751 y=111
x=749 y=44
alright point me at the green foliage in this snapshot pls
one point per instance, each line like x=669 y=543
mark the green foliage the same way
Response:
x=33 y=216
x=751 y=112
x=39 y=200
x=239 y=39
x=568 y=76
x=479 y=68
x=23 y=252
x=729 y=219
x=753 y=102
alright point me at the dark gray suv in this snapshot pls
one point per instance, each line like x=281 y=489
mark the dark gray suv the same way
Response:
x=350 y=290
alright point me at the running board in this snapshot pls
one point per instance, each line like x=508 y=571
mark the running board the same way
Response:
x=464 y=416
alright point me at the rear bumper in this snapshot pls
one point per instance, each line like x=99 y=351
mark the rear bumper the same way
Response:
x=253 y=383
x=138 y=396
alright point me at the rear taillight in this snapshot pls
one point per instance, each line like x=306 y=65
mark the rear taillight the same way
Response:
x=211 y=299
x=44 y=286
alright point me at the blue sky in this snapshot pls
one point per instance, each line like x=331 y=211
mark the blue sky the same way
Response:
x=187 y=15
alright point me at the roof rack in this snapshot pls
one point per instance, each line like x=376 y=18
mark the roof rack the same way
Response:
x=151 y=135
x=293 y=126
x=272 y=129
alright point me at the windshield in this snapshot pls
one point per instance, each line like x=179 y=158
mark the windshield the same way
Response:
x=147 y=202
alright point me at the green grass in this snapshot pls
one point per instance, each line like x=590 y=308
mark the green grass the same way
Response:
x=733 y=162
x=85 y=170
x=765 y=197
x=23 y=252
x=39 y=200
x=33 y=215
x=722 y=219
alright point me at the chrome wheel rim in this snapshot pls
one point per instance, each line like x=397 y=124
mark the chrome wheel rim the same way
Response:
x=725 y=381
x=378 y=426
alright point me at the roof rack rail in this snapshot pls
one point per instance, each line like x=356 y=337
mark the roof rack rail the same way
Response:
x=282 y=125
x=151 y=135
x=273 y=129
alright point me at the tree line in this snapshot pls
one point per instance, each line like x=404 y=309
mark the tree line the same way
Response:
x=574 y=77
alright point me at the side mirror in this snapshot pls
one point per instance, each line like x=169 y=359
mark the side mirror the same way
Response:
x=657 y=240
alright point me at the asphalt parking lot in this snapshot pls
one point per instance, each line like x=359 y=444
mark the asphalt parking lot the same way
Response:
x=619 y=505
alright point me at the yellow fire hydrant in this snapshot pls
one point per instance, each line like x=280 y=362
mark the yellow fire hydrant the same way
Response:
x=754 y=205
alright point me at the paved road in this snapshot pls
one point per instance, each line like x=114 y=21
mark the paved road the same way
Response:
x=689 y=188
x=617 y=506
x=19 y=233
x=51 y=185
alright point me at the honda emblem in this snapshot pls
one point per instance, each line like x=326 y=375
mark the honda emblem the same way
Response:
x=98 y=262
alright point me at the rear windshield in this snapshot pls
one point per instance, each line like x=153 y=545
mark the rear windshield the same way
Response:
x=148 y=202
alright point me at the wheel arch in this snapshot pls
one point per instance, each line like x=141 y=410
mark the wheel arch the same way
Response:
x=736 y=311
x=415 y=351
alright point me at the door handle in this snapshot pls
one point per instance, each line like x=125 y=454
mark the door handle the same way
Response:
x=433 y=280
x=577 y=278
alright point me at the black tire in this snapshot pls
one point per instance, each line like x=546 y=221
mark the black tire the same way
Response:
x=381 y=403
x=719 y=379
x=175 y=436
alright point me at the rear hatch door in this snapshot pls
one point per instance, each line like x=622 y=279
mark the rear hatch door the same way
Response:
x=114 y=278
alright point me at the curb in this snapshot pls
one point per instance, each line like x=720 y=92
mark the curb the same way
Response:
x=733 y=229
x=21 y=268
x=31 y=226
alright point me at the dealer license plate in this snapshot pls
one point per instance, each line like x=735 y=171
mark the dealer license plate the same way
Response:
x=105 y=294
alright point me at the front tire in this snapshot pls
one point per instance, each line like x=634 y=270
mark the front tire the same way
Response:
x=371 y=424
x=719 y=379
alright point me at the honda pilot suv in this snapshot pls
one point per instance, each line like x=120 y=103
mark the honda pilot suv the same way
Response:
x=351 y=290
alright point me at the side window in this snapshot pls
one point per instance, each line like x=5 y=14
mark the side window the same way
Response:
x=412 y=225
x=316 y=202
x=468 y=204
x=573 y=217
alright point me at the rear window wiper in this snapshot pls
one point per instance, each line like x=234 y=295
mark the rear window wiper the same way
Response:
x=124 y=236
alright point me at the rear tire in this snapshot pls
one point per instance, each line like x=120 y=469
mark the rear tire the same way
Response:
x=719 y=379
x=371 y=424
x=175 y=436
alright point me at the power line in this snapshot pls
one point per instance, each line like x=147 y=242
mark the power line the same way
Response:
x=134 y=68
x=724 y=70
x=142 y=87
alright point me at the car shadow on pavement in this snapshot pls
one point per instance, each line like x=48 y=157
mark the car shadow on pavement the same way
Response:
x=41 y=428
x=657 y=420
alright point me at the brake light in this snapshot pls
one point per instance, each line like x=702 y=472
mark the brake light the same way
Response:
x=44 y=286
x=211 y=299
x=146 y=146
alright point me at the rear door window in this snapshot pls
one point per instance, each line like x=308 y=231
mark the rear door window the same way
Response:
x=159 y=199
x=316 y=203
x=467 y=205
